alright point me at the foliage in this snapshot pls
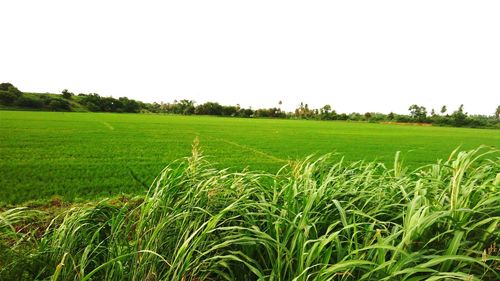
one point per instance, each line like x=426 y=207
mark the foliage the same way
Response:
x=208 y=108
x=5 y=86
x=10 y=88
x=418 y=113
x=8 y=93
x=57 y=104
x=313 y=220
x=13 y=97
x=29 y=101
x=67 y=94
x=94 y=102
x=459 y=117
x=269 y=113
x=7 y=98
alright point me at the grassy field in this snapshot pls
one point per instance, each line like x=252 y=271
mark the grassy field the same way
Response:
x=91 y=155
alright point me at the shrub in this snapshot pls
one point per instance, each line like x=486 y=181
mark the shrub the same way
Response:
x=5 y=86
x=8 y=93
x=7 y=98
x=29 y=101
x=67 y=94
x=57 y=104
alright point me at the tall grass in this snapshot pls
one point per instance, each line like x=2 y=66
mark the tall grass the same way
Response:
x=313 y=220
x=17 y=234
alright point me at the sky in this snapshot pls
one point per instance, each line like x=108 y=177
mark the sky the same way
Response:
x=363 y=56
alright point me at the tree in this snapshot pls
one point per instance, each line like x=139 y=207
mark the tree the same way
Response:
x=300 y=110
x=186 y=107
x=9 y=94
x=5 y=86
x=418 y=113
x=15 y=91
x=67 y=94
x=326 y=113
x=355 y=116
x=58 y=104
x=208 y=108
x=303 y=111
x=459 y=117
x=443 y=109
x=10 y=88
x=497 y=112
x=229 y=110
x=7 y=97
x=248 y=112
x=29 y=101
x=272 y=112
x=129 y=105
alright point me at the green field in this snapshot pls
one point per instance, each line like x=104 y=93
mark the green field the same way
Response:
x=91 y=155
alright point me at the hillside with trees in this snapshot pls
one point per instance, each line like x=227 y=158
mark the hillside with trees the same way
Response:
x=13 y=99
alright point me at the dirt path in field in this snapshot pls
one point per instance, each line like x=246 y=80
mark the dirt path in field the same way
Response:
x=107 y=125
x=249 y=148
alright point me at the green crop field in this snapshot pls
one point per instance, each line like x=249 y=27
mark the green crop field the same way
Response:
x=91 y=155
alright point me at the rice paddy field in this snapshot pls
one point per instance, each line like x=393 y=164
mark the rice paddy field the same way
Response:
x=86 y=156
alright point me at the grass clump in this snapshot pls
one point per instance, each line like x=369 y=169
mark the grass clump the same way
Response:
x=315 y=219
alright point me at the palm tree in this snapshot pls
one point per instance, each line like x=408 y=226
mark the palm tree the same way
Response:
x=443 y=109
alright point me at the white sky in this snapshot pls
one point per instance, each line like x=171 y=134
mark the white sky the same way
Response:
x=354 y=55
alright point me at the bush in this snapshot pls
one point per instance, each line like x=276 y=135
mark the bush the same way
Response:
x=67 y=94
x=59 y=104
x=7 y=98
x=5 y=86
x=15 y=91
x=29 y=101
x=8 y=93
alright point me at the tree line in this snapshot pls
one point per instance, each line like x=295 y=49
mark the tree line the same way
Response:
x=66 y=101
x=12 y=96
